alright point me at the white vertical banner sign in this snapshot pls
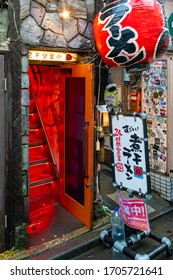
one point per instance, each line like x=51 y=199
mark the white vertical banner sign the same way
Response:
x=130 y=153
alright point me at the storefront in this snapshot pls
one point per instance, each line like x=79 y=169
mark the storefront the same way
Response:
x=61 y=140
x=52 y=121
x=55 y=79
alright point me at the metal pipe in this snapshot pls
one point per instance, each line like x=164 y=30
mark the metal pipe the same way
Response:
x=155 y=237
x=123 y=247
x=163 y=247
x=130 y=253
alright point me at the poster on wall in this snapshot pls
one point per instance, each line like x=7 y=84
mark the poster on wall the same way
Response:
x=154 y=84
x=130 y=153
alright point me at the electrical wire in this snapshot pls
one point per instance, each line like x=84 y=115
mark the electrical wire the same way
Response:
x=94 y=58
x=15 y=24
x=83 y=59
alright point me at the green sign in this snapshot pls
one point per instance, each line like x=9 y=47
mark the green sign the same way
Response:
x=170 y=24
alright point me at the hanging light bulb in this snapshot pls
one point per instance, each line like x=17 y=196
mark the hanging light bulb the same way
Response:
x=65 y=14
x=64 y=11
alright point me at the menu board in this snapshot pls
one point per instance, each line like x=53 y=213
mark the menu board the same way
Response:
x=154 y=84
x=130 y=153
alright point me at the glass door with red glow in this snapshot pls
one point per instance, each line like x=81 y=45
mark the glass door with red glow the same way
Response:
x=77 y=141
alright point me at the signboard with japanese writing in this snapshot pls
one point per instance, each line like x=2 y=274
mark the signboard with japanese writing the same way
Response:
x=134 y=213
x=52 y=56
x=130 y=153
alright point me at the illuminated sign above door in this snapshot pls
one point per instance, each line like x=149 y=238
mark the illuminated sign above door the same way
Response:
x=52 y=56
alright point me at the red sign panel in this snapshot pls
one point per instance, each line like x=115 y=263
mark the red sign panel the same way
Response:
x=134 y=213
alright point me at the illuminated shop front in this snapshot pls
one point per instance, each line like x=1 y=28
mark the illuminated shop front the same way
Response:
x=51 y=112
x=52 y=124
x=61 y=135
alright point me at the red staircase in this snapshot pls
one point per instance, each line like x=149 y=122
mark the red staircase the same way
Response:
x=43 y=182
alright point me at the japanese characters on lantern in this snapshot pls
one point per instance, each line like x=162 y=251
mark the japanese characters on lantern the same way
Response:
x=129 y=32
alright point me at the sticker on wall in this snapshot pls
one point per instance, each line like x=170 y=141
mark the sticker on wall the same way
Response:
x=156 y=147
x=163 y=112
x=157 y=141
x=163 y=157
x=163 y=150
x=153 y=134
x=156 y=111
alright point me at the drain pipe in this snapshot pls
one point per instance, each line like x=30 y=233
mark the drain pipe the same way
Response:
x=123 y=246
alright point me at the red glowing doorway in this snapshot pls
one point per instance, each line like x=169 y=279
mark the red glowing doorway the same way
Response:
x=62 y=98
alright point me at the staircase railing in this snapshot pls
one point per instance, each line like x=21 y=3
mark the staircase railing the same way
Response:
x=47 y=138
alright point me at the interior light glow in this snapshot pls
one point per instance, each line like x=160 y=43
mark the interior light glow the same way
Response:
x=65 y=14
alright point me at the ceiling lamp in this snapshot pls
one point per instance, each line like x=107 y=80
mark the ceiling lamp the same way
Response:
x=63 y=10
x=65 y=14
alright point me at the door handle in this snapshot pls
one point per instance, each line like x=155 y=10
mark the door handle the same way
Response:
x=85 y=149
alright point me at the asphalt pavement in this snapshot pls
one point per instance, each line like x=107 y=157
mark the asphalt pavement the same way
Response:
x=161 y=226
x=85 y=244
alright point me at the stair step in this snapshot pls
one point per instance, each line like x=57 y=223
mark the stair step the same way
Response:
x=36 y=136
x=36 y=126
x=36 y=142
x=38 y=161
x=41 y=168
x=40 y=191
x=38 y=154
x=40 y=179
x=43 y=185
x=34 y=120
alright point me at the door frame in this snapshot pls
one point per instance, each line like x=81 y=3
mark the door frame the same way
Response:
x=2 y=153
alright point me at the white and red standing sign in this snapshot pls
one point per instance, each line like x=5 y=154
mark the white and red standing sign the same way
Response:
x=131 y=166
x=130 y=154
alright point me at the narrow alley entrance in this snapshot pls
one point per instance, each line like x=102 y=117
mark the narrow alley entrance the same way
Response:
x=61 y=150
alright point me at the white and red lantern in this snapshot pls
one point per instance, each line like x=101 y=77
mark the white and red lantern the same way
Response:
x=130 y=32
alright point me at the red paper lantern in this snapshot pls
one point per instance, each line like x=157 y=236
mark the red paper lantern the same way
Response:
x=129 y=32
